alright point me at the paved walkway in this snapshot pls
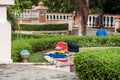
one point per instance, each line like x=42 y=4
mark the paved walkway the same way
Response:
x=92 y=31
x=35 y=72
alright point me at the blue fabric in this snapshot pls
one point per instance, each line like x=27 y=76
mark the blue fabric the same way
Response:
x=101 y=32
x=56 y=55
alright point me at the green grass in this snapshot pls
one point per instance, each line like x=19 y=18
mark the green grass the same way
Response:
x=37 y=57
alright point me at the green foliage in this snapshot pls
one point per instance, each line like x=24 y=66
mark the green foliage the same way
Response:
x=18 y=46
x=118 y=30
x=68 y=6
x=95 y=41
x=20 y=5
x=11 y=18
x=98 y=64
x=38 y=43
x=48 y=27
x=35 y=2
x=61 y=6
x=95 y=10
x=51 y=4
x=112 y=7
x=18 y=36
x=108 y=6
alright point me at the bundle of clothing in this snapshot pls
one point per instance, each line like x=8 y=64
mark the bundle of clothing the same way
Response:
x=59 y=58
x=63 y=54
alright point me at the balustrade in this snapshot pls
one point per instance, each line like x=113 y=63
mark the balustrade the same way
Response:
x=57 y=16
x=108 y=20
x=27 y=14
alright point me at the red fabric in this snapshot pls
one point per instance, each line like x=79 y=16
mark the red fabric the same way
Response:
x=62 y=60
x=62 y=45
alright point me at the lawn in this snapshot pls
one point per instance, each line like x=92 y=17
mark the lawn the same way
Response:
x=38 y=57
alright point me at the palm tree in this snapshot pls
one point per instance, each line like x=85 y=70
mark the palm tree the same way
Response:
x=82 y=12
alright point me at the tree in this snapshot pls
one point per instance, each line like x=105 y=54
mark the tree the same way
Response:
x=11 y=18
x=61 y=6
x=21 y=4
x=111 y=7
x=35 y=2
x=108 y=6
x=82 y=12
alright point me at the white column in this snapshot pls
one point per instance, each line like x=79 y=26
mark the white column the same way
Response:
x=79 y=28
x=5 y=33
x=117 y=23
x=3 y=14
x=70 y=22
x=88 y=22
x=5 y=42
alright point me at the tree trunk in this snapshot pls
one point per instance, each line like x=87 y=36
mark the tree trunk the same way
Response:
x=82 y=11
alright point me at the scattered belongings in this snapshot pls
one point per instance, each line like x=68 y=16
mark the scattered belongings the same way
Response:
x=63 y=54
x=59 y=59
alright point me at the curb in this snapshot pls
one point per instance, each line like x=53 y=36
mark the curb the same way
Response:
x=95 y=48
x=27 y=63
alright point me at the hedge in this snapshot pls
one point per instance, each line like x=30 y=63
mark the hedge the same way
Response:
x=118 y=30
x=46 y=27
x=98 y=64
x=32 y=45
x=17 y=36
x=40 y=44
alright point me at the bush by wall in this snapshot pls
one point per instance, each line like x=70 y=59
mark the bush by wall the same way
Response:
x=39 y=44
x=95 y=41
x=47 y=27
x=98 y=64
x=118 y=30
x=95 y=10
x=17 y=46
x=32 y=45
x=17 y=36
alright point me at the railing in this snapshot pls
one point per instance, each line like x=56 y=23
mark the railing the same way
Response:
x=108 y=21
x=27 y=14
x=57 y=16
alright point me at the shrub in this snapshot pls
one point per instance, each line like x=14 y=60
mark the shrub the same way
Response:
x=95 y=10
x=32 y=45
x=47 y=27
x=98 y=64
x=40 y=44
x=17 y=36
x=118 y=30
x=17 y=46
x=11 y=18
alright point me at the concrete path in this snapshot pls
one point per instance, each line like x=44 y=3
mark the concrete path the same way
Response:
x=92 y=32
x=35 y=72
